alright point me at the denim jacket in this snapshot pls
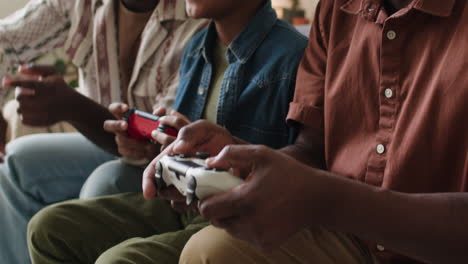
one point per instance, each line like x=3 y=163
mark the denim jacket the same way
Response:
x=257 y=85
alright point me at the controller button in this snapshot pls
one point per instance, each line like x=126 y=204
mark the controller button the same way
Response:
x=159 y=182
x=202 y=155
x=162 y=128
x=159 y=169
x=191 y=184
x=183 y=156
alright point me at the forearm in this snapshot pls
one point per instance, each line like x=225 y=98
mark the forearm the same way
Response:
x=88 y=117
x=427 y=227
x=308 y=148
x=305 y=155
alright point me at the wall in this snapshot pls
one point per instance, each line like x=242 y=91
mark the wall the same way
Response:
x=308 y=5
x=9 y=6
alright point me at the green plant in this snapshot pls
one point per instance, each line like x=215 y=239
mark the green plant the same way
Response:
x=63 y=66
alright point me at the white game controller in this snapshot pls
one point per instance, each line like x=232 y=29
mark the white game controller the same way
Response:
x=192 y=178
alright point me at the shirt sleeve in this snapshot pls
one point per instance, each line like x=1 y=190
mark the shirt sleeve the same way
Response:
x=169 y=98
x=38 y=28
x=307 y=105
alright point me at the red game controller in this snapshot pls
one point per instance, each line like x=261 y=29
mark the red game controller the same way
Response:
x=141 y=124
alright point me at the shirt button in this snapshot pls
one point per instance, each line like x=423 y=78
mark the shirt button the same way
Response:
x=380 y=148
x=391 y=35
x=380 y=248
x=388 y=93
x=201 y=91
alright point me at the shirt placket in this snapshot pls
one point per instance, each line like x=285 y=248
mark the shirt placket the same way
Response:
x=227 y=98
x=389 y=88
x=202 y=91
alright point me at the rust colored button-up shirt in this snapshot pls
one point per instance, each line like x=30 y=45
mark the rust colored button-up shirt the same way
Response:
x=389 y=94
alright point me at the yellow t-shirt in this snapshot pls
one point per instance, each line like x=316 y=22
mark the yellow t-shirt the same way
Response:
x=220 y=65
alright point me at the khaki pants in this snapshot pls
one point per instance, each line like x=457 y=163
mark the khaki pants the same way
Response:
x=215 y=246
x=127 y=229
x=122 y=228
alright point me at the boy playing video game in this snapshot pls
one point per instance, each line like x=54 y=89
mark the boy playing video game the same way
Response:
x=240 y=73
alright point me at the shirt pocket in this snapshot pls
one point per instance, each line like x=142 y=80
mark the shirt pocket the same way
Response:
x=261 y=110
x=274 y=138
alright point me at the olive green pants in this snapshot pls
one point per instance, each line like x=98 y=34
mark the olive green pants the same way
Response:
x=311 y=246
x=122 y=228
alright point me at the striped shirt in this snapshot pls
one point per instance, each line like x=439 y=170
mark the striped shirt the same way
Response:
x=88 y=32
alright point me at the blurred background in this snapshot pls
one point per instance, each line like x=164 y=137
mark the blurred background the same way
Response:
x=296 y=8
x=297 y=12
x=9 y=6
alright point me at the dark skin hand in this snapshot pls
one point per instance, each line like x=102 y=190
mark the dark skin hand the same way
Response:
x=37 y=90
x=33 y=90
x=175 y=120
x=138 y=149
x=211 y=138
x=129 y=147
x=316 y=197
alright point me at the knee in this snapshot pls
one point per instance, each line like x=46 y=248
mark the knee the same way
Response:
x=49 y=227
x=22 y=146
x=22 y=155
x=209 y=245
x=101 y=182
x=112 y=177
x=136 y=250
x=116 y=254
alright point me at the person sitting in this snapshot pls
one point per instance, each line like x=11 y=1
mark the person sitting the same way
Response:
x=242 y=66
x=379 y=171
x=126 y=51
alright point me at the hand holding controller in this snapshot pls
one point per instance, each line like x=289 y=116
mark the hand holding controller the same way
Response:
x=141 y=124
x=192 y=178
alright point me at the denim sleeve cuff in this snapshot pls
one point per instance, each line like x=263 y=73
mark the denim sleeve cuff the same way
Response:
x=309 y=116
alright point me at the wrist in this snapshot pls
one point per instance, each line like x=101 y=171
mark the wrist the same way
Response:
x=70 y=107
x=321 y=198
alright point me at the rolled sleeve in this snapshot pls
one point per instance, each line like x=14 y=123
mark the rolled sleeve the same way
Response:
x=306 y=115
x=308 y=103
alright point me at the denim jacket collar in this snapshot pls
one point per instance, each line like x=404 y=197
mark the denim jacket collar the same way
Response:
x=245 y=44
